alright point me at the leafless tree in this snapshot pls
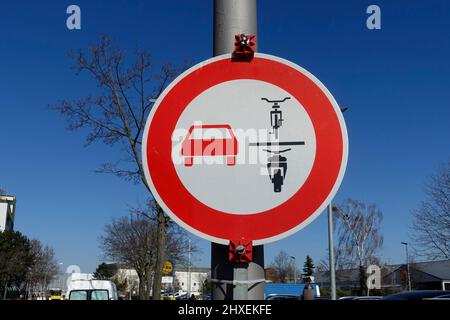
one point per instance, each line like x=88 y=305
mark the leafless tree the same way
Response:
x=2 y=192
x=283 y=266
x=44 y=267
x=116 y=115
x=358 y=236
x=431 y=222
x=133 y=241
x=130 y=240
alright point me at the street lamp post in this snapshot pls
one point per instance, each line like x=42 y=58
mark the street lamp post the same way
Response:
x=407 y=265
x=331 y=252
x=60 y=267
x=189 y=270
x=295 y=269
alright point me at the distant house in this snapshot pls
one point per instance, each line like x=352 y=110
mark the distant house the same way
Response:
x=198 y=277
x=432 y=275
x=346 y=279
x=429 y=275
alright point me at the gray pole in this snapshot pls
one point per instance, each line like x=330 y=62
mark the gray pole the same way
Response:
x=233 y=17
x=295 y=271
x=331 y=252
x=189 y=270
x=407 y=265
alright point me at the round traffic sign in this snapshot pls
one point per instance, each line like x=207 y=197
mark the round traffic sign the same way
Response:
x=167 y=268
x=245 y=150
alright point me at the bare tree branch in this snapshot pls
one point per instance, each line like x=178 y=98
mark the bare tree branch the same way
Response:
x=132 y=241
x=431 y=220
x=119 y=111
x=118 y=114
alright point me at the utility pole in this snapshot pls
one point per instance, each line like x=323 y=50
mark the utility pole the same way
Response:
x=189 y=270
x=232 y=17
x=295 y=269
x=407 y=265
x=331 y=252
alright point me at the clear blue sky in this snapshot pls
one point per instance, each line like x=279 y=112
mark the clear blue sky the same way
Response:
x=395 y=81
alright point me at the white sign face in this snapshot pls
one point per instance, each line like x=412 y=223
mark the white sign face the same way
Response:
x=167 y=279
x=246 y=187
x=245 y=150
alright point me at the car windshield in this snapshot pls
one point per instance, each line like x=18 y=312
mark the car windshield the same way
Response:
x=89 y=295
x=210 y=133
x=99 y=295
x=78 y=295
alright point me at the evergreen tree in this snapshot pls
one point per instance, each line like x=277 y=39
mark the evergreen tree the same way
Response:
x=105 y=271
x=308 y=266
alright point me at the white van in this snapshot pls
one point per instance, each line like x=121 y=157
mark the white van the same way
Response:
x=82 y=289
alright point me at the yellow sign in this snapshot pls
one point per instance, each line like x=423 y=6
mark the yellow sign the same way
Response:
x=167 y=268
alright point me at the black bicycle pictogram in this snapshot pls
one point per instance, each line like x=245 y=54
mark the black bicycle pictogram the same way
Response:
x=276 y=115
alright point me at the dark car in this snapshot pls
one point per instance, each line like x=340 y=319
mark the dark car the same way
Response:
x=416 y=295
x=443 y=297
x=360 y=298
x=282 y=297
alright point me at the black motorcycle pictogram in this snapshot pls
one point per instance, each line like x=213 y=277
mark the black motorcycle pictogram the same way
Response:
x=277 y=168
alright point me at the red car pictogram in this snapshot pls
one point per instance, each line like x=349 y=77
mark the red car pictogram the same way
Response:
x=210 y=140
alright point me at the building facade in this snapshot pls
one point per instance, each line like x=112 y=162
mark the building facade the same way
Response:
x=198 y=276
x=7 y=212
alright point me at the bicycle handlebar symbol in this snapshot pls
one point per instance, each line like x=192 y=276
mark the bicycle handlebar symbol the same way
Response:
x=276 y=115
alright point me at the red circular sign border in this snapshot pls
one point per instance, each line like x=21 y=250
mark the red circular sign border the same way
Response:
x=271 y=224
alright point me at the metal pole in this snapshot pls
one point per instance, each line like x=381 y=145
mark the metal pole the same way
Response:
x=233 y=17
x=295 y=269
x=295 y=274
x=189 y=271
x=331 y=252
x=407 y=265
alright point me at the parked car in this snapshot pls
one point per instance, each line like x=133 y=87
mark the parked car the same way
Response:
x=55 y=294
x=207 y=296
x=322 y=298
x=368 y=298
x=416 y=295
x=288 y=289
x=282 y=297
x=443 y=297
x=361 y=298
x=181 y=295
